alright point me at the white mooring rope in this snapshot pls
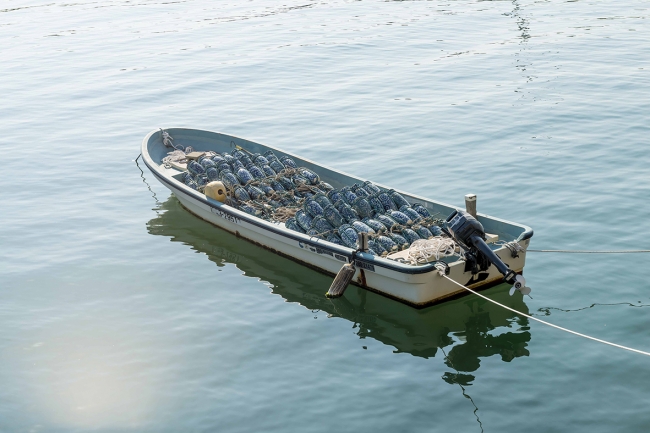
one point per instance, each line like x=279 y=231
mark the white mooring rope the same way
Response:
x=442 y=274
x=515 y=247
x=591 y=252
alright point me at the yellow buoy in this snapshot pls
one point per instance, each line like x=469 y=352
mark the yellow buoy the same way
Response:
x=216 y=190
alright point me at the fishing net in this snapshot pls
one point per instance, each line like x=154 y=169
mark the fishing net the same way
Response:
x=277 y=190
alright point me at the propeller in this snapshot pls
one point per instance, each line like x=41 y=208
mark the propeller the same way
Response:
x=520 y=284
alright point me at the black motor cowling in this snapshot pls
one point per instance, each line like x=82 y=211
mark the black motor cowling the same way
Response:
x=468 y=231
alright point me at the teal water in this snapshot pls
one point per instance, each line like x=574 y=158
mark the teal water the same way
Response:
x=120 y=311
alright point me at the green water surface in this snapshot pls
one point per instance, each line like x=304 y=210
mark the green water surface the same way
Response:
x=120 y=311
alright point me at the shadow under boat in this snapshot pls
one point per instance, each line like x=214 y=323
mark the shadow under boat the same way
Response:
x=473 y=327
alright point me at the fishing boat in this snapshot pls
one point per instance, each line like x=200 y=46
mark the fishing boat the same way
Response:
x=487 y=250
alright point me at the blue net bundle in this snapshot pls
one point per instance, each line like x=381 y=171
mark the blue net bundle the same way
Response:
x=276 y=189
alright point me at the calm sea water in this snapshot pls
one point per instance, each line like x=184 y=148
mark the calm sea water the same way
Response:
x=120 y=311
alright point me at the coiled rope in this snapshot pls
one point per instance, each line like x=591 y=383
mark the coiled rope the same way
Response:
x=442 y=274
x=179 y=153
x=514 y=248
x=422 y=250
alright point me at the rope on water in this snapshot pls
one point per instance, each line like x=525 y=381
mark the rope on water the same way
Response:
x=514 y=248
x=442 y=274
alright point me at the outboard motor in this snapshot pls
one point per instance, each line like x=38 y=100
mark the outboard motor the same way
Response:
x=467 y=231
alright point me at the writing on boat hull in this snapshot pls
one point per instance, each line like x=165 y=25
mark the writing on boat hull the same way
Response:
x=318 y=250
x=224 y=215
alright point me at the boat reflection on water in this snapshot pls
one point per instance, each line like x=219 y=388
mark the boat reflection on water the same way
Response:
x=464 y=330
